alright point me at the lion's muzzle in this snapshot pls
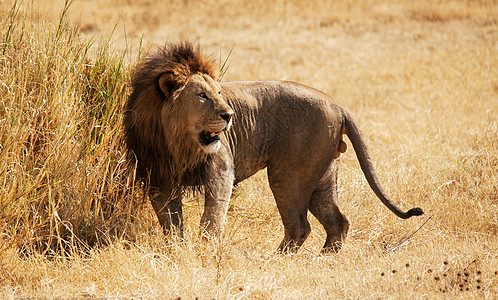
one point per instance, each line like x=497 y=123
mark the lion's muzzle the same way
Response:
x=210 y=139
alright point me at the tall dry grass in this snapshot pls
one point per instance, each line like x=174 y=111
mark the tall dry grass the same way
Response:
x=421 y=77
x=65 y=182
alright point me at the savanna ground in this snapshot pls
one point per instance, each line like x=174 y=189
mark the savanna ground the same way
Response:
x=421 y=77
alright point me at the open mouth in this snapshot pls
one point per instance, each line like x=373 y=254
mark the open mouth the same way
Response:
x=207 y=138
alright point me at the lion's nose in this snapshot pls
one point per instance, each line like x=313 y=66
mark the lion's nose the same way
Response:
x=226 y=116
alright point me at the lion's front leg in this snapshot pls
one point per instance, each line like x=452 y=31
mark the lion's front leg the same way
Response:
x=168 y=207
x=218 y=190
x=215 y=207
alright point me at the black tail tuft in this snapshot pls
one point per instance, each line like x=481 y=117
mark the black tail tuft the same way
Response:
x=417 y=211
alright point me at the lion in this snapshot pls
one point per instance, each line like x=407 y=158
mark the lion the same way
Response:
x=185 y=129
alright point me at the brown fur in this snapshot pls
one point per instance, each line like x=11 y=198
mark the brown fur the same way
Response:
x=293 y=130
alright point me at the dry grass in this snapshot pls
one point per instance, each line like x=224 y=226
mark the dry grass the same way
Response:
x=421 y=76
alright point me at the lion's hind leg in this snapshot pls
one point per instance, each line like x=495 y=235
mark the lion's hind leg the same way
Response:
x=292 y=202
x=323 y=205
x=296 y=232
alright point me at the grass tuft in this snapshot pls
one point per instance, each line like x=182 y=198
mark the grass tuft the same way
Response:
x=65 y=182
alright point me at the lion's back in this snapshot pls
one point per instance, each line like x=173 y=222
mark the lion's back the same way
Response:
x=276 y=118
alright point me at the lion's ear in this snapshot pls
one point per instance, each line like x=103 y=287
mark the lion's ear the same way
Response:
x=168 y=83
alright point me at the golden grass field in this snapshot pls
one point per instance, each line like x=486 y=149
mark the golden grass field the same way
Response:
x=420 y=76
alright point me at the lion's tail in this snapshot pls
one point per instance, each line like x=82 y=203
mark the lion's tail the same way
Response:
x=354 y=134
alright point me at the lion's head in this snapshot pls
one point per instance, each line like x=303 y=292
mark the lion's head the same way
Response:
x=175 y=114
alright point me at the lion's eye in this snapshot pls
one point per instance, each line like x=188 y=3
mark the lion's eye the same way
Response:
x=219 y=93
x=203 y=96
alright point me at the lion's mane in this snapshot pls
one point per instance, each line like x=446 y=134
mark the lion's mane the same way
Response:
x=155 y=138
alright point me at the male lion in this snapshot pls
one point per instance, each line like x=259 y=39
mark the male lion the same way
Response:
x=178 y=129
